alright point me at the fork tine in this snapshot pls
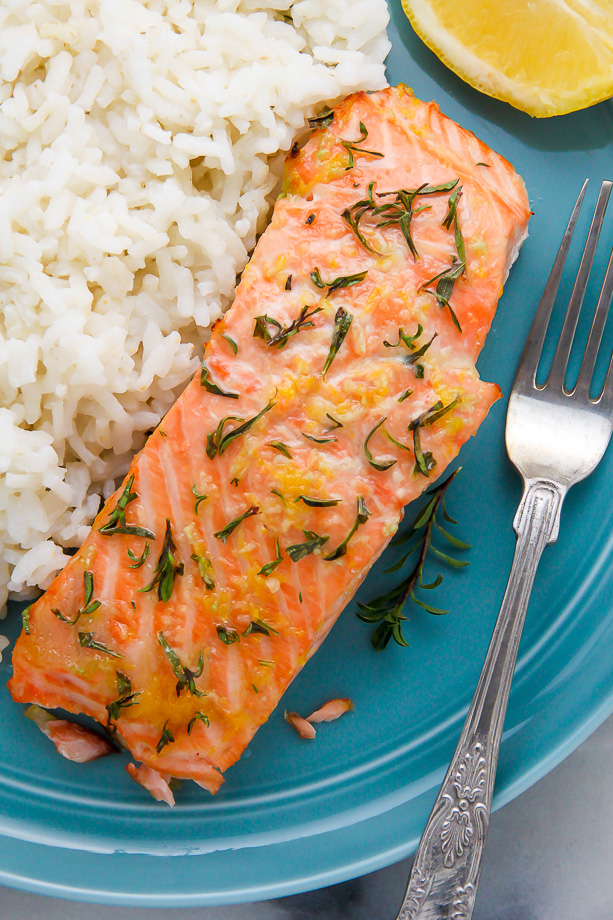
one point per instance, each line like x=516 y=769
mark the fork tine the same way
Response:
x=528 y=363
x=598 y=323
x=560 y=359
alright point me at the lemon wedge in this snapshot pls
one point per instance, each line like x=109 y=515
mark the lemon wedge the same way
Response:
x=545 y=57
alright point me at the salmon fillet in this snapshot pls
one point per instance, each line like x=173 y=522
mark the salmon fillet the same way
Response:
x=335 y=390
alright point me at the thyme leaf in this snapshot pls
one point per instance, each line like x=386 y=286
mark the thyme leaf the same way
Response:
x=288 y=283
x=227 y=636
x=323 y=120
x=25 y=619
x=272 y=332
x=205 y=570
x=165 y=738
x=217 y=442
x=166 y=568
x=125 y=700
x=116 y=522
x=386 y=610
x=379 y=465
x=269 y=568
x=313 y=541
x=231 y=527
x=231 y=341
x=89 y=606
x=424 y=461
x=211 y=387
x=281 y=447
x=343 y=281
x=185 y=677
x=342 y=322
x=362 y=516
x=445 y=282
x=86 y=640
x=311 y=437
x=354 y=146
x=451 y=218
x=404 y=339
x=317 y=502
x=335 y=423
x=137 y=561
x=199 y=498
x=405 y=395
x=259 y=626
x=197 y=716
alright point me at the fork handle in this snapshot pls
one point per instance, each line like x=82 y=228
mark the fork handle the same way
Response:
x=447 y=865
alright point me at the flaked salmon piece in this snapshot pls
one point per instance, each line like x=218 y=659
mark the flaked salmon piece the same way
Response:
x=74 y=742
x=155 y=783
x=302 y=726
x=330 y=711
x=336 y=389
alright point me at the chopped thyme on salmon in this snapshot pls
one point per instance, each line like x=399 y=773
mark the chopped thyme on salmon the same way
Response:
x=224 y=558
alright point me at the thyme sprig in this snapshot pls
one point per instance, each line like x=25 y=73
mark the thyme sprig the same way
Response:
x=342 y=322
x=451 y=219
x=197 y=716
x=125 y=700
x=387 y=609
x=218 y=441
x=117 y=519
x=343 y=281
x=444 y=283
x=272 y=332
x=354 y=146
x=269 y=567
x=412 y=359
x=314 y=541
x=362 y=516
x=185 y=677
x=232 y=525
x=424 y=461
x=86 y=640
x=89 y=605
x=211 y=387
x=166 y=568
x=165 y=738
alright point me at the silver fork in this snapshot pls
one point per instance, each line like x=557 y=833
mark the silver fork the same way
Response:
x=555 y=437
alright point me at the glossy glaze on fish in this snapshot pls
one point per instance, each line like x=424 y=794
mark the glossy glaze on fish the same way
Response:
x=222 y=561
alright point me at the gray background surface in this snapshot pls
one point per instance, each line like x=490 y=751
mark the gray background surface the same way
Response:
x=549 y=857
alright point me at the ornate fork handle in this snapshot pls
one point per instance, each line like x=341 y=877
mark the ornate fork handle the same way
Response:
x=447 y=866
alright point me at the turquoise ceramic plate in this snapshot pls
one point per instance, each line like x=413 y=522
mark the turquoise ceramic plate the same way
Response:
x=294 y=816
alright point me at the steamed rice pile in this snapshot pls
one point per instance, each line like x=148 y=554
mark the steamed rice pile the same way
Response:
x=139 y=149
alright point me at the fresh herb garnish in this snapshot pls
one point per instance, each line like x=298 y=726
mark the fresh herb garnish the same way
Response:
x=274 y=333
x=137 y=561
x=380 y=465
x=266 y=663
x=405 y=395
x=288 y=283
x=317 y=502
x=165 y=738
x=25 y=619
x=311 y=437
x=166 y=568
x=335 y=423
x=199 y=498
x=424 y=461
x=269 y=568
x=227 y=636
x=323 y=120
x=445 y=282
x=362 y=516
x=125 y=700
x=211 y=387
x=205 y=569
x=229 y=528
x=219 y=440
x=279 y=494
x=386 y=609
x=197 y=716
x=451 y=218
x=259 y=626
x=342 y=322
x=117 y=520
x=185 y=677
x=86 y=640
x=487 y=165
x=310 y=219
x=281 y=447
x=231 y=341
x=343 y=281
x=313 y=541
x=89 y=606
x=404 y=339
x=354 y=146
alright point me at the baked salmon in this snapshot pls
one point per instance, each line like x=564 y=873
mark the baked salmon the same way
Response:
x=339 y=385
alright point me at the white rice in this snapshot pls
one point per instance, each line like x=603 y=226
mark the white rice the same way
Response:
x=139 y=154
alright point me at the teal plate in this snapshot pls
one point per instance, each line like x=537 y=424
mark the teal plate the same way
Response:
x=292 y=815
